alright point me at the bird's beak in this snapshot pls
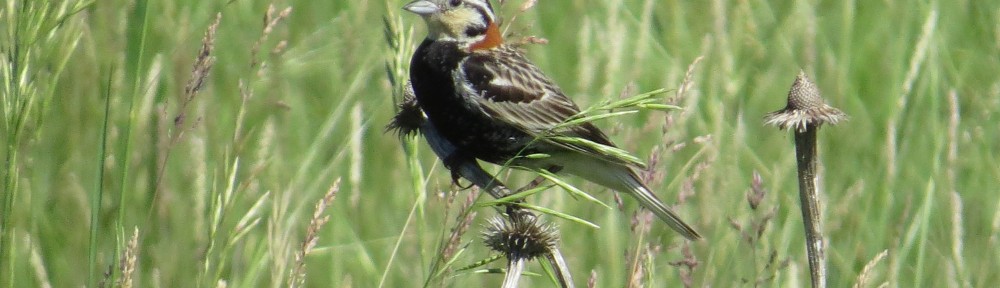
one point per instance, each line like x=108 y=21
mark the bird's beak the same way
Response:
x=422 y=7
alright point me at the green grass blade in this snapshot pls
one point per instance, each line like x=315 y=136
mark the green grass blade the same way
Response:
x=570 y=188
x=555 y=213
x=592 y=118
x=602 y=149
x=513 y=198
x=98 y=193
x=480 y=263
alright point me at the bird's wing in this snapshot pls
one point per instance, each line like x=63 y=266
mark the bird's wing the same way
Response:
x=511 y=89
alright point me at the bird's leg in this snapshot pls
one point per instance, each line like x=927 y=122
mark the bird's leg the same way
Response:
x=473 y=172
x=531 y=185
x=454 y=160
x=554 y=169
x=470 y=170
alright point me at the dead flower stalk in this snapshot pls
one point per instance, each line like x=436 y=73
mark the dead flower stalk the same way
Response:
x=806 y=112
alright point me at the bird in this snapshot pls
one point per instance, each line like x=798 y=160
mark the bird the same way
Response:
x=492 y=104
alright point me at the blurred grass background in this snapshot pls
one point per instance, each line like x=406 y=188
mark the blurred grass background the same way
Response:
x=102 y=138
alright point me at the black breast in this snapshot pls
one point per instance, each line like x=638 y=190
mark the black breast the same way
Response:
x=457 y=117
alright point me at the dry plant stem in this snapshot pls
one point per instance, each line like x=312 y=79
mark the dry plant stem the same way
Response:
x=515 y=267
x=561 y=269
x=805 y=113
x=805 y=151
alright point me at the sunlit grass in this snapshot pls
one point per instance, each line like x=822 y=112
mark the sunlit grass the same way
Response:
x=226 y=192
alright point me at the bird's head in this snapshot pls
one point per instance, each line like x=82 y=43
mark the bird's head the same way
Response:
x=470 y=22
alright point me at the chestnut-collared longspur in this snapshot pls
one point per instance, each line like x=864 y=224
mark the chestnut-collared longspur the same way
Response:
x=492 y=104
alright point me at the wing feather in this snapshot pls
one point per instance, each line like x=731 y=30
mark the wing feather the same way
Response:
x=511 y=89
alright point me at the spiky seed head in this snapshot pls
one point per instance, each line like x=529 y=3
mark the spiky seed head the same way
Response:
x=805 y=107
x=409 y=118
x=522 y=236
x=804 y=94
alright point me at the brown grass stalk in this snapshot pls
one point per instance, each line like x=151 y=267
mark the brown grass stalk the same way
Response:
x=868 y=272
x=127 y=264
x=297 y=277
x=465 y=217
x=199 y=75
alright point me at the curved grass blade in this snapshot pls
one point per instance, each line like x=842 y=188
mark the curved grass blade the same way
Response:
x=559 y=214
x=569 y=187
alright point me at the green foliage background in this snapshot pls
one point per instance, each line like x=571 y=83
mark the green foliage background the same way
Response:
x=95 y=145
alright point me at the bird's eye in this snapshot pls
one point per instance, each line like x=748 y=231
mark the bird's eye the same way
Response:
x=455 y=3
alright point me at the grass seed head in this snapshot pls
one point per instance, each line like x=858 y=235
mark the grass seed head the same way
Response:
x=757 y=191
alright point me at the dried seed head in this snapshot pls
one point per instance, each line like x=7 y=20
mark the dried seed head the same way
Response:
x=522 y=236
x=805 y=108
x=804 y=95
x=409 y=118
x=128 y=261
x=757 y=191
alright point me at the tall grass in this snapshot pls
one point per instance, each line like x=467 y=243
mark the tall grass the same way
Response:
x=226 y=193
x=39 y=39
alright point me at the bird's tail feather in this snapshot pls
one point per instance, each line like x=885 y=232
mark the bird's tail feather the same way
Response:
x=622 y=179
x=651 y=202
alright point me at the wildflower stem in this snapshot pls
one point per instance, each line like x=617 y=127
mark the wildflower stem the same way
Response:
x=515 y=267
x=805 y=151
x=804 y=114
x=559 y=266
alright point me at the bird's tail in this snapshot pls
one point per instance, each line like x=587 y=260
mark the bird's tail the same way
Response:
x=651 y=202
x=622 y=179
